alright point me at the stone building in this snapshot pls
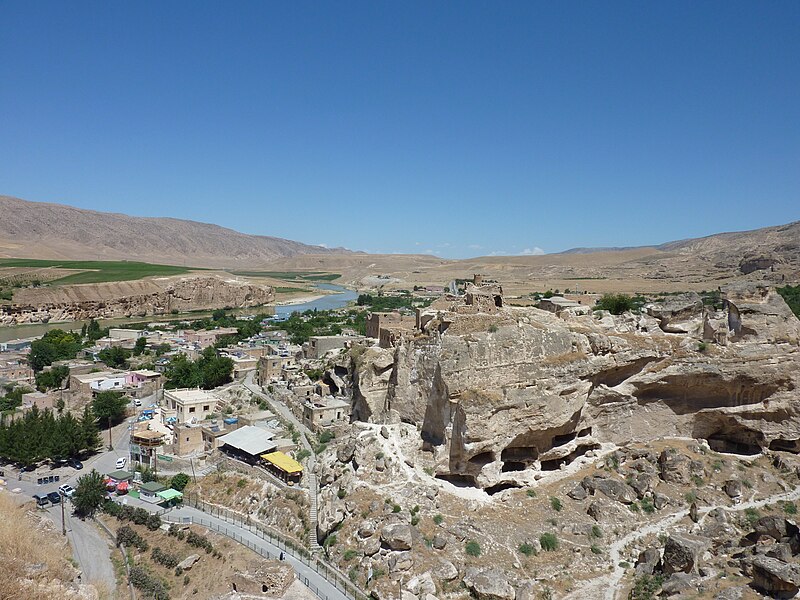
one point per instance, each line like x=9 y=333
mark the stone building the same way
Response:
x=319 y=413
x=269 y=578
x=190 y=404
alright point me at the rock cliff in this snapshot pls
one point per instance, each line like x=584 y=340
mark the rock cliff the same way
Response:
x=501 y=394
x=155 y=296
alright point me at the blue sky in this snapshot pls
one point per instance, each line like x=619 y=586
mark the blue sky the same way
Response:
x=457 y=128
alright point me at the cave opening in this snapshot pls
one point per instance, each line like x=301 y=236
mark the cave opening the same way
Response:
x=484 y=458
x=556 y=463
x=457 y=479
x=520 y=453
x=560 y=440
x=731 y=445
x=513 y=465
x=782 y=445
x=499 y=487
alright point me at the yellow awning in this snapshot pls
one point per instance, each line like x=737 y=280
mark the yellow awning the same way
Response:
x=283 y=462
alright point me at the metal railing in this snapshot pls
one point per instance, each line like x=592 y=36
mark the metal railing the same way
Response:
x=328 y=572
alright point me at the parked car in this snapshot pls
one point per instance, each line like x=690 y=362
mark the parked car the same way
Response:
x=67 y=490
x=75 y=463
x=41 y=500
x=54 y=497
x=121 y=462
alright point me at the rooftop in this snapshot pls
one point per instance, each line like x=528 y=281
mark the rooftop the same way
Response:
x=190 y=395
x=249 y=439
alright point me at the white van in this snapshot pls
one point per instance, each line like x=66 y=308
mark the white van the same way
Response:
x=137 y=402
x=121 y=462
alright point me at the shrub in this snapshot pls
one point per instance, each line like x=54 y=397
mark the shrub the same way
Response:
x=646 y=587
x=751 y=515
x=199 y=541
x=790 y=508
x=179 y=482
x=531 y=493
x=596 y=532
x=473 y=548
x=555 y=503
x=350 y=554
x=341 y=493
x=648 y=506
x=549 y=542
x=396 y=508
x=616 y=304
x=596 y=549
x=438 y=519
x=702 y=346
x=128 y=537
x=165 y=558
x=526 y=549
x=150 y=585
x=153 y=522
x=415 y=520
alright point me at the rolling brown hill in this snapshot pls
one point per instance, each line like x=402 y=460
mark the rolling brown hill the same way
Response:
x=55 y=231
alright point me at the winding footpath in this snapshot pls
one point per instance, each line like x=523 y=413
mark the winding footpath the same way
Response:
x=608 y=586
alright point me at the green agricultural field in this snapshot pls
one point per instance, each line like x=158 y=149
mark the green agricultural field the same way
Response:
x=98 y=271
x=290 y=275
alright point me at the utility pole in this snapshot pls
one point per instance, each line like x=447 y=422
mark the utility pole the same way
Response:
x=191 y=462
x=110 y=442
x=63 y=522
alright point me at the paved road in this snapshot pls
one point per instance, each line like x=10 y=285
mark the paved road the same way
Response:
x=239 y=534
x=91 y=548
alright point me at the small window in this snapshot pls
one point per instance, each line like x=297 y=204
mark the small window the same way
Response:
x=187 y=438
x=191 y=409
x=205 y=408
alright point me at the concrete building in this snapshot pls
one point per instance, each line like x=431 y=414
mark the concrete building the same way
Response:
x=145 y=445
x=148 y=492
x=86 y=383
x=188 y=440
x=205 y=338
x=319 y=345
x=269 y=368
x=190 y=405
x=319 y=413
x=145 y=379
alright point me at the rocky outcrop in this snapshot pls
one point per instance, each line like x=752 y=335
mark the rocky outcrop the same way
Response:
x=501 y=397
x=154 y=296
x=777 y=578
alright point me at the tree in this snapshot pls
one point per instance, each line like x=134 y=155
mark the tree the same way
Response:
x=109 y=406
x=616 y=304
x=89 y=494
x=139 y=347
x=52 y=379
x=87 y=426
x=115 y=357
x=54 y=345
x=179 y=481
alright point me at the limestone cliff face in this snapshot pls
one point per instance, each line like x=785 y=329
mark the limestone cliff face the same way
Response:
x=499 y=397
x=155 y=296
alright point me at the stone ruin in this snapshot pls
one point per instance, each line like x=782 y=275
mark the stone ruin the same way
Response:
x=266 y=579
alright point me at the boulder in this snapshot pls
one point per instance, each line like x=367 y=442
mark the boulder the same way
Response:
x=675 y=467
x=578 y=493
x=400 y=561
x=445 y=570
x=733 y=487
x=677 y=583
x=489 y=584
x=660 y=500
x=371 y=545
x=775 y=577
x=366 y=529
x=439 y=541
x=527 y=590
x=612 y=488
x=682 y=553
x=187 y=563
x=345 y=452
x=397 y=536
x=421 y=584
x=772 y=526
x=649 y=561
x=642 y=484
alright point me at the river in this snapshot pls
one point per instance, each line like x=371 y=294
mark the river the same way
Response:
x=339 y=299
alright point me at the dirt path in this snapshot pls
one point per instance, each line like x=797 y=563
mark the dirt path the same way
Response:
x=608 y=586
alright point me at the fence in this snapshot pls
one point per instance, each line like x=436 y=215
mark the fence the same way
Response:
x=328 y=572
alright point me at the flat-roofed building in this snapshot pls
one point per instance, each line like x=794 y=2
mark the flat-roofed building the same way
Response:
x=190 y=404
x=324 y=412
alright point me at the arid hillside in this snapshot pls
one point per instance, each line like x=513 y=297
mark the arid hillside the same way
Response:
x=44 y=230
x=771 y=253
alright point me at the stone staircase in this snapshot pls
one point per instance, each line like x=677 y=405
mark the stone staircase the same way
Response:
x=312 y=533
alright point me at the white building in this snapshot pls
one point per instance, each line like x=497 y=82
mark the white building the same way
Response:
x=190 y=405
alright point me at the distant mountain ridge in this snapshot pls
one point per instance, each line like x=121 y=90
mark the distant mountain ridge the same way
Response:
x=57 y=231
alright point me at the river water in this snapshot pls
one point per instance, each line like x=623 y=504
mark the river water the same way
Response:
x=328 y=302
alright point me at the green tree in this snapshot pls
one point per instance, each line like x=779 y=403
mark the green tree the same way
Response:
x=89 y=494
x=139 y=346
x=179 y=481
x=88 y=434
x=52 y=378
x=54 y=345
x=109 y=406
x=115 y=357
x=617 y=304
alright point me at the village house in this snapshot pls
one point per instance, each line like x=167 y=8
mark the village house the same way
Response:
x=557 y=304
x=190 y=404
x=393 y=322
x=319 y=345
x=41 y=400
x=269 y=368
x=319 y=413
